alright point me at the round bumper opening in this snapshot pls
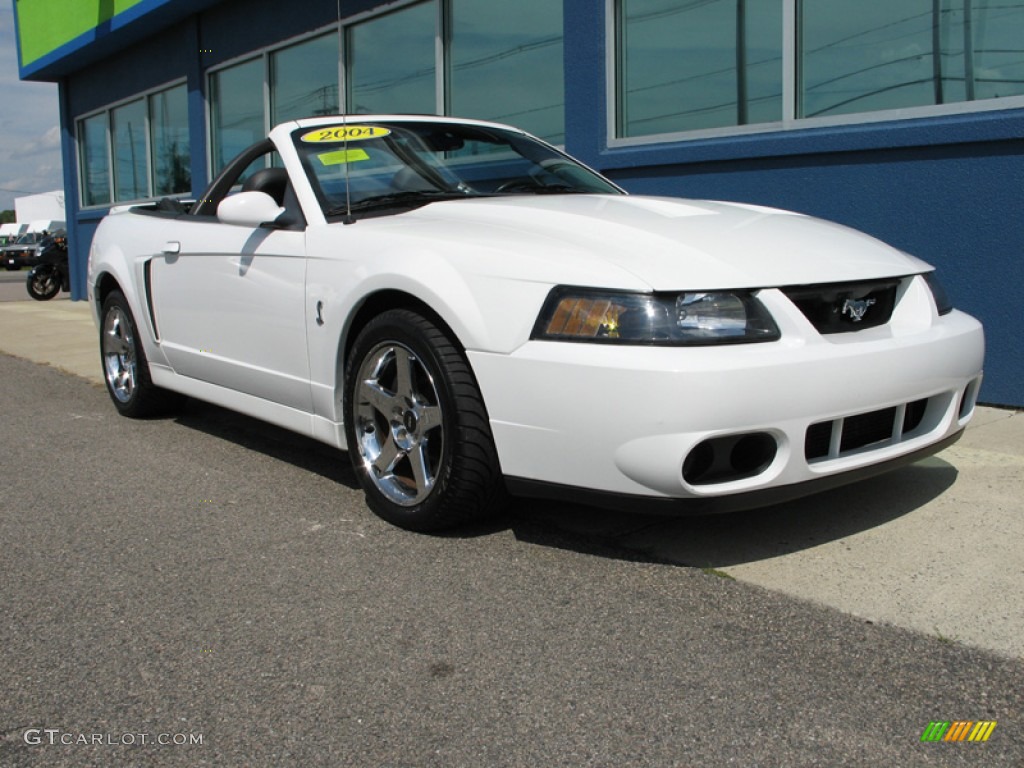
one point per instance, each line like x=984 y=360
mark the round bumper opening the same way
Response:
x=728 y=458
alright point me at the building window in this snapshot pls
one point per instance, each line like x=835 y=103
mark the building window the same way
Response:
x=131 y=170
x=172 y=172
x=299 y=81
x=380 y=81
x=518 y=45
x=137 y=149
x=894 y=54
x=687 y=66
x=236 y=96
x=452 y=52
x=713 y=65
x=95 y=160
x=304 y=79
x=994 y=55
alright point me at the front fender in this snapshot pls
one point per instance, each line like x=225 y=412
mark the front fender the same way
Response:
x=485 y=313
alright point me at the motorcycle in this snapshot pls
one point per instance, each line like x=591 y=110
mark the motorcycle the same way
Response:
x=50 y=275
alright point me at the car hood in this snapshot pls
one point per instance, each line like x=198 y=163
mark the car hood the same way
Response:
x=669 y=243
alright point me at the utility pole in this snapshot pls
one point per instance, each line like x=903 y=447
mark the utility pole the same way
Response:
x=742 y=116
x=969 y=48
x=937 y=50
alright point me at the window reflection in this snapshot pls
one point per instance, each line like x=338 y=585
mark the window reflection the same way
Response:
x=391 y=62
x=131 y=168
x=95 y=162
x=687 y=65
x=872 y=55
x=172 y=172
x=894 y=54
x=995 y=65
x=237 y=99
x=518 y=45
x=304 y=80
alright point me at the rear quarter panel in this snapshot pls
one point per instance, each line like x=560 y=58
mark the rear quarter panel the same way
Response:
x=123 y=243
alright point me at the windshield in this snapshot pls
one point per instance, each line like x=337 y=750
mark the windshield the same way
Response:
x=393 y=165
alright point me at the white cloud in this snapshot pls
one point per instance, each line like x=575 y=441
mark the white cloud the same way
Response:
x=45 y=144
x=30 y=159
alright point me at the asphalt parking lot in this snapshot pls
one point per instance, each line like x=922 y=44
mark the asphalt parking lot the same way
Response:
x=208 y=575
x=933 y=547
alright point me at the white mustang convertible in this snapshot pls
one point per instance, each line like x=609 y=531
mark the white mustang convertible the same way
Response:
x=469 y=312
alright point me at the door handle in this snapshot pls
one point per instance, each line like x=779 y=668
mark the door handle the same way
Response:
x=172 y=246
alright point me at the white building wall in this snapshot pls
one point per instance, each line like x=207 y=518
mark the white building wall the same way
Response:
x=46 y=206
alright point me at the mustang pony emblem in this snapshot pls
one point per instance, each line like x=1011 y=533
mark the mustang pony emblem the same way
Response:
x=856 y=308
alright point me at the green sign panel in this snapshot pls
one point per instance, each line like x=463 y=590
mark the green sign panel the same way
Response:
x=46 y=25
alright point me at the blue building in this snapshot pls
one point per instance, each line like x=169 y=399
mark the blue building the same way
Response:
x=902 y=118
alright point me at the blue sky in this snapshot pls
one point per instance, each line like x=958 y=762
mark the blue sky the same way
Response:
x=29 y=125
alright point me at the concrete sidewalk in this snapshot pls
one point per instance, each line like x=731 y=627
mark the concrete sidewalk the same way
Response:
x=934 y=547
x=60 y=333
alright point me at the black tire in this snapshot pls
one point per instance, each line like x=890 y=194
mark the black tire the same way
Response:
x=124 y=364
x=43 y=284
x=420 y=441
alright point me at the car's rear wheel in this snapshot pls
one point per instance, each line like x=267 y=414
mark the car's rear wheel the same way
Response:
x=416 y=426
x=125 y=368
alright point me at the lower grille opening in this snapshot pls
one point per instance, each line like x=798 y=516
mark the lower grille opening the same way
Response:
x=968 y=398
x=914 y=415
x=817 y=440
x=831 y=439
x=866 y=428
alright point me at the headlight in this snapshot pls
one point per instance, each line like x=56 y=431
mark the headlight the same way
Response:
x=670 y=319
x=942 y=302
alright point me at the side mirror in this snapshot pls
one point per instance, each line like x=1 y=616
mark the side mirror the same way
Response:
x=249 y=209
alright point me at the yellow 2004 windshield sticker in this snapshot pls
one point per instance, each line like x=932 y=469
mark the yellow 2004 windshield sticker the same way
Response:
x=335 y=133
x=342 y=156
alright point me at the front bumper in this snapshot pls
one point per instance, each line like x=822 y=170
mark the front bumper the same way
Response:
x=17 y=259
x=705 y=505
x=623 y=420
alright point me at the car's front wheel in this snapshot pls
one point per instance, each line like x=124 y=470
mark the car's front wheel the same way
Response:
x=416 y=425
x=125 y=369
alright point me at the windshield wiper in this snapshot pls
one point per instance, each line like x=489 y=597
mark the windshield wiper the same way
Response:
x=531 y=187
x=399 y=200
x=558 y=189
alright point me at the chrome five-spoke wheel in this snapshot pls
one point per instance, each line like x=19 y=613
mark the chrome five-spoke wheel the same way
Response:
x=416 y=425
x=125 y=369
x=118 y=350
x=399 y=426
